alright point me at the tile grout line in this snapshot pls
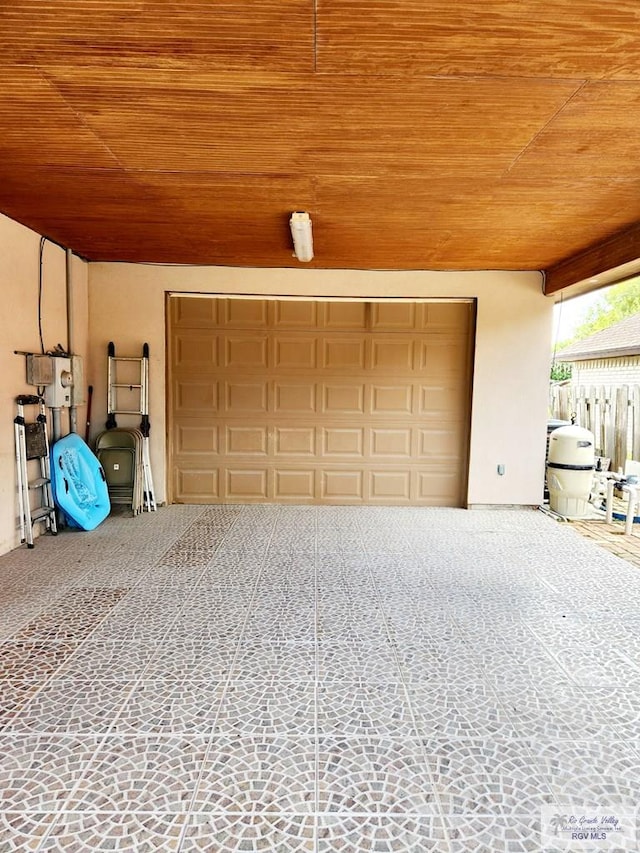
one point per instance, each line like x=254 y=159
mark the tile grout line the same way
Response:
x=316 y=693
x=189 y=809
x=213 y=736
x=394 y=648
x=205 y=568
x=101 y=741
x=500 y=695
x=109 y=734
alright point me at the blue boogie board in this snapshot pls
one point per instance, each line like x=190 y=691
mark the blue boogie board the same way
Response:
x=79 y=483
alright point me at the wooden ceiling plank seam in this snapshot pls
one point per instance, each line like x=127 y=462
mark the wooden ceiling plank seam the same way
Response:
x=80 y=116
x=315 y=35
x=176 y=79
x=409 y=146
x=546 y=126
x=205 y=68
x=282 y=123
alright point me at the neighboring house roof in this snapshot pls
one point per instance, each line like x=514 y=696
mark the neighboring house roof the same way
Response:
x=619 y=340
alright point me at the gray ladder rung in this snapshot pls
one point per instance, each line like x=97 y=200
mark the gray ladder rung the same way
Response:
x=39 y=482
x=30 y=516
x=42 y=512
x=138 y=493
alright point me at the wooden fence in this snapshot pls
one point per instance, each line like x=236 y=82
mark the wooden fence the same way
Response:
x=612 y=415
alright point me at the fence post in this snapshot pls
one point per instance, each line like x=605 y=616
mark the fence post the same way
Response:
x=581 y=407
x=565 y=403
x=594 y=418
x=620 y=428
x=635 y=424
x=607 y=406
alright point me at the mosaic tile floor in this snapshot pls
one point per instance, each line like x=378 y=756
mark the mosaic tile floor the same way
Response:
x=315 y=679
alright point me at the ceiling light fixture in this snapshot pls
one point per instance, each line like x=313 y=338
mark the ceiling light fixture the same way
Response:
x=300 y=224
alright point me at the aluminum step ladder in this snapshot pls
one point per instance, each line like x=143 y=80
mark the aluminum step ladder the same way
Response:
x=32 y=443
x=129 y=395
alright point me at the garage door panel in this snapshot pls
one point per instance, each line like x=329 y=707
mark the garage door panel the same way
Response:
x=390 y=485
x=295 y=398
x=193 y=351
x=291 y=352
x=338 y=403
x=444 y=444
x=295 y=441
x=342 y=485
x=246 y=397
x=389 y=442
x=294 y=484
x=443 y=358
x=345 y=315
x=343 y=354
x=242 y=352
x=440 y=401
x=194 y=397
x=246 y=484
x=244 y=313
x=440 y=487
x=246 y=440
x=392 y=354
x=399 y=316
x=196 y=438
x=343 y=398
x=194 y=313
x=197 y=486
x=295 y=314
x=443 y=316
x=343 y=441
x=391 y=399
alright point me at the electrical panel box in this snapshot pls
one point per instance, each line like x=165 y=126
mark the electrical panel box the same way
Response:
x=58 y=393
x=77 y=387
x=39 y=370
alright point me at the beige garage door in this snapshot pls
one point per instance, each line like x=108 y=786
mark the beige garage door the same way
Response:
x=325 y=402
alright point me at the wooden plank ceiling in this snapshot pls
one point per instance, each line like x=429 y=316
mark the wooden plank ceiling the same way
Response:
x=443 y=135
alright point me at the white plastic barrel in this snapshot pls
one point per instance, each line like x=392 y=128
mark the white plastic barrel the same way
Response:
x=570 y=467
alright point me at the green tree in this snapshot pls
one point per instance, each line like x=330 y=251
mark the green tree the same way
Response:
x=619 y=301
x=560 y=370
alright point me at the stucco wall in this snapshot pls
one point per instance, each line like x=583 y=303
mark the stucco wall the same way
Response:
x=509 y=407
x=19 y=331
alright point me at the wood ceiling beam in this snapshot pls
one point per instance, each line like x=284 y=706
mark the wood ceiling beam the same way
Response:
x=596 y=262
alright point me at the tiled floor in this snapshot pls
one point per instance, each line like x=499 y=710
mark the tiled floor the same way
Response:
x=315 y=679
